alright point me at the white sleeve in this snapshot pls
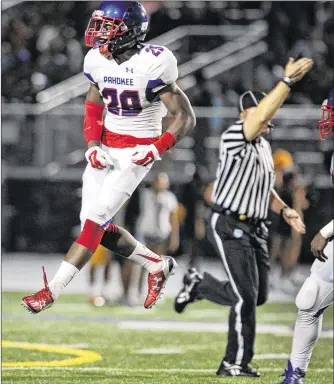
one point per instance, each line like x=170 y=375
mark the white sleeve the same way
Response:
x=88 y=67
x=169 y=69
x=165 y=70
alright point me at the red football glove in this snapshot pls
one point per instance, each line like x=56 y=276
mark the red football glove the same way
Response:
x=98 y=158
x=145 y=154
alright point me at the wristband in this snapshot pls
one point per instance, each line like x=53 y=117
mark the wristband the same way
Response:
x=328 y=230
x=93 y=121
x=286 y=80
x=282 y=210
x=165 y=141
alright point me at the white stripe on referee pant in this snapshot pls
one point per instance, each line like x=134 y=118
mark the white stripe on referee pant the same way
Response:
x=237 y=308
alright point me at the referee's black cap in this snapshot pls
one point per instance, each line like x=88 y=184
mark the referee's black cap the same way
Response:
x=250 y=99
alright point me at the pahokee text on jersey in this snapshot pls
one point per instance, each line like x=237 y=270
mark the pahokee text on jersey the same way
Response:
x=245 y=175
x=129 y=90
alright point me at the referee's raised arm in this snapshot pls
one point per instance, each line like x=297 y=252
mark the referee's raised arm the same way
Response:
x=259 y=117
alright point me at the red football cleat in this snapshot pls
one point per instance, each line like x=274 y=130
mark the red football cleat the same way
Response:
x=41 y=300
x=156 y=281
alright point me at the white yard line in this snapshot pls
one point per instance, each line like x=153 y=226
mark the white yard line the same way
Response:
x=149 y=370
x=180 y=350
x=74 y=346
x=272 y=356
x=160 y=351
x=196 y=326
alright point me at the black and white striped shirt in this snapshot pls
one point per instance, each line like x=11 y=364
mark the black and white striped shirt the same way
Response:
x=245 y=174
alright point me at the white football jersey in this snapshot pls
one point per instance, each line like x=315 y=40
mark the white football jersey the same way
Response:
x=129 y=89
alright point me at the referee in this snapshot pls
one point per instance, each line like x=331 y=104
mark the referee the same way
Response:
x=242 y=194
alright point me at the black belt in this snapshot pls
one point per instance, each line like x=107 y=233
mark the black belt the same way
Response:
x=237 y=216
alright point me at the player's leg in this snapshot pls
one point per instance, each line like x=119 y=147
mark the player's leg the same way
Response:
x=92 y=282
x=43 y=299
x=100 y=259
x=309 y=324
x=92 y=181
x=160 y=267
x=106 y=272
x=142 y=272
x=117 y=187
x=312 y=300
x=159 y=248
x=307 y=331
x=100 y=198
x=126 y=267
x=92 y=274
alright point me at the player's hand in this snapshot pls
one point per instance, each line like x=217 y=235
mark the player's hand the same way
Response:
x=317 y=247
x=145 y=154
x=98 y=158
x=296 y=70
x=294 y=220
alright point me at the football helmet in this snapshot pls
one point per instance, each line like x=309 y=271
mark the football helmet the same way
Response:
x=326 y=124
x=116 y=26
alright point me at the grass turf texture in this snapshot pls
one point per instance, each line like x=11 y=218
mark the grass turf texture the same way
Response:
x=72 y=321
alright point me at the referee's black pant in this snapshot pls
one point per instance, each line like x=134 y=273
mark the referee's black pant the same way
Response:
x=244 y=253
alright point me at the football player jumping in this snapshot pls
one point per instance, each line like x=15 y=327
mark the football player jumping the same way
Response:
x=135 y=82
x=316 y=294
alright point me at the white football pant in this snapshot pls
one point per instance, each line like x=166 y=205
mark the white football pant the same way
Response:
x=313 y=298
x=105 y=191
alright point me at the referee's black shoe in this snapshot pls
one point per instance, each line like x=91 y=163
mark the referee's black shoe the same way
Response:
x=227 y=369
x=187 y=294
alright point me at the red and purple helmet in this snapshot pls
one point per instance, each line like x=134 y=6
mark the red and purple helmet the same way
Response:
x=326 y=124
x=116 y=26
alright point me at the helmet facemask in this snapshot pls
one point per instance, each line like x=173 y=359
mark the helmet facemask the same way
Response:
x=326 y=124
x=101 y=30
x=110 y=34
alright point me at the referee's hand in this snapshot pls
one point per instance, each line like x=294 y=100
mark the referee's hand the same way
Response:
x=294 y=220
x=296 y=70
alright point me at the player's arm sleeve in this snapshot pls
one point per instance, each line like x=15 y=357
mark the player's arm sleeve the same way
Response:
x=88 y=69
x=234 y=140
x=165 y=72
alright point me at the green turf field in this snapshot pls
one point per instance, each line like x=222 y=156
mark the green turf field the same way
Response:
x=73 y=342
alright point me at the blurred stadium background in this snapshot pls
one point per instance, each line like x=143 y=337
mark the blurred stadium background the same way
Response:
x=223 y=48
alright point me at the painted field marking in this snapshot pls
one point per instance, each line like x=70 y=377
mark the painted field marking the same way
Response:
x=75 y=346
x=149 y=370
x=83 y=356
x=272 y=356
x=201 y=326
x=223 y=314
x=180 y=350
x=160 y=351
